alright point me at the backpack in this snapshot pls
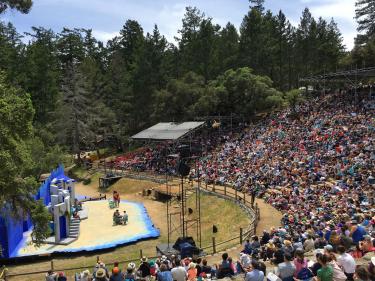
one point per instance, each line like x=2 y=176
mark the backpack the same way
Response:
x=304 y=274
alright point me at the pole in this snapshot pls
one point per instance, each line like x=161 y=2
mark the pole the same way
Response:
x=168 y=202
x=183 y=206
x=241 y=233
x=199 y=208
x=213 y=245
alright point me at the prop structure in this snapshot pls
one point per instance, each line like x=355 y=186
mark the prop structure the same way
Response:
x=62 y=202
x=57 y=194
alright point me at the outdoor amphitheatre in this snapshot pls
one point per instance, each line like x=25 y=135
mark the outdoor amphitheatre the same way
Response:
x=238 y=151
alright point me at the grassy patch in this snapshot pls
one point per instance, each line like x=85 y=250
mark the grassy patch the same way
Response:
x=226 y=215
x=131 y=186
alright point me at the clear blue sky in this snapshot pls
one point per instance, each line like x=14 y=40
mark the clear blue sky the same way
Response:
x=106 y=17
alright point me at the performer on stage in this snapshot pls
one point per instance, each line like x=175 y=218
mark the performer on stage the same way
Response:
x=125 y=218
x=116 y=198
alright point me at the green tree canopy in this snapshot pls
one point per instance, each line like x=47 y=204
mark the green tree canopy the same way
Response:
x=23 y=6
x=16 y=160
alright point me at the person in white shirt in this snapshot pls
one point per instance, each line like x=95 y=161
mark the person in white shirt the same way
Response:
x=178 y=273
x=346 y=262
x=245 y=261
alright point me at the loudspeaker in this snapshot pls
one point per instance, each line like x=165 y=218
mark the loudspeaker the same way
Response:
x=214 y=229
x=182 y=240
x=190 y=210
x=184 y=150
x=183 y=169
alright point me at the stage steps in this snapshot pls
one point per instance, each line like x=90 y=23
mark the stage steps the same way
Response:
x=74 y=228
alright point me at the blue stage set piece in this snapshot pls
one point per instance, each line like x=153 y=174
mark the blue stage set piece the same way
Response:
x=12 y=230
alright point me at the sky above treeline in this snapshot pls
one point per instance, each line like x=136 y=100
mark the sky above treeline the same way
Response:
x=106 y=17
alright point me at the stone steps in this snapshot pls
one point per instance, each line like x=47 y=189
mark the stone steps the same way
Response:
x=74 y=228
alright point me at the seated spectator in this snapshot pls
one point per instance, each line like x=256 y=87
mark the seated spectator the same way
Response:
x=288 y=247
x=116 y=275
x=346 y=262
x=328 y=251
x=286 y=269
x=100 y=265
x=61 y=277
x=144 y=268
x=100 y=275
x=247 y=247
x=361 y=274
x=164 y=274
x=84 y=276
x=231 y=265
x=253 y=272
x=357 y=232
x=357 y=253
x=205 y=268
x=265 y=238
x=179 y=273
x=297 y=244
x=325 y=273
x=198 y=266
x=300 y=262
x=278 y=256
x=244 y=262
x=366 y=245
x=130 y=275
x=316 y=266
x=51 y=276
x=154 y=268
x=192 y=272
x=224 y=269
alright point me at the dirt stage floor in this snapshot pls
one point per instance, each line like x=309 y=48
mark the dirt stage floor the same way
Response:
x=98 y=231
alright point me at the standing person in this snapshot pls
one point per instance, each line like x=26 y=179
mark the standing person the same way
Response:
x=116 y=198
x=253 y=192
x=346 y=262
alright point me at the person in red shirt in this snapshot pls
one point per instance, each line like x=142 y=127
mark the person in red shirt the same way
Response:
x=116 y=198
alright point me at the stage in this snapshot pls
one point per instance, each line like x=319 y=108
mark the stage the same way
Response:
x=97 y=231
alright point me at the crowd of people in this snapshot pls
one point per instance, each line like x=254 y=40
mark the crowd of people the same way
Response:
x=315 y=164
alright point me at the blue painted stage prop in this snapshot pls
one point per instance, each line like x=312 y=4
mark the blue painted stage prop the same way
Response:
x=140 y=227
x=12 y=230
x=97 y=231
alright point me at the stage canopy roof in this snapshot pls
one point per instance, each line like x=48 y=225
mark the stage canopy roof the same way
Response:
x=168 y=131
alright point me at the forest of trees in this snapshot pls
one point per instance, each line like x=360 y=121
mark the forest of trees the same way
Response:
x=62 y=91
